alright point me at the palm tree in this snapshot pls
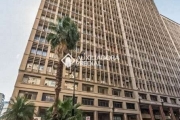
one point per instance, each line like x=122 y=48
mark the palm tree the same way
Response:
x=20 y=109
x=63 y=38
x=64 y=111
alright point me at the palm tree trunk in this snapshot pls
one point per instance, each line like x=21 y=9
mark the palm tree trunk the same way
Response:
x=58 y=88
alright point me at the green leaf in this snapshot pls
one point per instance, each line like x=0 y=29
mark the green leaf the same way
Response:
x=21 y=109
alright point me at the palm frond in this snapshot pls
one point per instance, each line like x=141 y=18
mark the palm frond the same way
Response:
x=65 y=110
x=64 y=32
x=21 y=109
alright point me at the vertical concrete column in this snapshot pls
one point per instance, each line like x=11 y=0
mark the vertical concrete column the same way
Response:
x=162 y=113
x=122 y=93
x=125 y=116
x=151 y=112
x=79 y=86
x=95 y=102
x=111 y=116
x=172 y=114
x=42 y=80
x=109 y=91
x=15 y=93
x=45 y=66
x=124 y=105
x=139 y=117
x=148 y=97
x=79 y=99
x=61 y=96
x=20 y=78
x=39 y=96
x=95 y=115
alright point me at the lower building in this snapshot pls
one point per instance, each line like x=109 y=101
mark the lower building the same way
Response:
x=2 y=97
x=6 y=104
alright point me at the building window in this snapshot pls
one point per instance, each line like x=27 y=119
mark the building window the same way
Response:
x=44 y=53
x=103 y=103
x=33 y=51
x=51 y=83
x=41 y=67
x=116 y=92
x=28 y=95
x=31 y=80
x=153 y=97
x=128 y=94
x=42 y=111
x=143 y=96
x=102 y=90
x=173 y=101
x=69 y=97
x=117 y=104
x=163 y=99
x=36 y=37
x=88 y=88
x=118 y=117
x=130 y=105
x=87 y=101
x=39 y=52
x=70 y=86
x=48 y=97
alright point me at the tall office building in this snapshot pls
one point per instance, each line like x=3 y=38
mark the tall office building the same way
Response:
x=2 y=97
x=143 y=84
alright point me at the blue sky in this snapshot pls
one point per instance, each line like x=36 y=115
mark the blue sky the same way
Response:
x=169 y=8
x=16 y=24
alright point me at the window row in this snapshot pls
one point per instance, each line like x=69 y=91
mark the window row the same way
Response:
x=155 y=98
x=85 y=101
x=27 y=79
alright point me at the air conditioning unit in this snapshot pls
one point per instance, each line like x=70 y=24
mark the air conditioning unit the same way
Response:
x=88 y=79
x=71 y=76
x=41 y=68
x=29 y=66
x=37 y=118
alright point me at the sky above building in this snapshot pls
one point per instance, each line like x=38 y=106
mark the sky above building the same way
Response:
x=17 y=18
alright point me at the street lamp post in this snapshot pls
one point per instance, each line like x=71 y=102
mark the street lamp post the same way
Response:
x=74 y=71
x=74 y=66
x=162 y=103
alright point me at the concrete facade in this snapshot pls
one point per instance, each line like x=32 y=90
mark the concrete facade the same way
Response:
x=131 y=88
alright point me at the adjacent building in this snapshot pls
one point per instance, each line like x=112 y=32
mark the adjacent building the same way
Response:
x=143 y=84
x=2 y=97
x=5 y=107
